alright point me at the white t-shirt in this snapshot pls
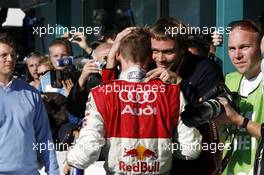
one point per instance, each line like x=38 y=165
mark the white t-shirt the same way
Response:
x=249 y=85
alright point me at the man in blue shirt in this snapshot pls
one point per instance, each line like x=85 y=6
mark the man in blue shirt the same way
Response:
x=25 y=133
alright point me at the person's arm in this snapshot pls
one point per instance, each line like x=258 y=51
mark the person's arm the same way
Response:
x=111 y=60
x=44 y=139
x=217 y=39
x=78 y=95
x=81 y=40
x=76 y=101
x=89 y=68
x=92 y=138
x=207 y=75
x=189 y=139
x=253 y=128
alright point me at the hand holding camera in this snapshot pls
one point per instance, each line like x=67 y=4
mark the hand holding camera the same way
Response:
x=72 y=36
x=80 y=39
x=230 y=116
x=211 y=107
x=91 y=67
x=217 y=39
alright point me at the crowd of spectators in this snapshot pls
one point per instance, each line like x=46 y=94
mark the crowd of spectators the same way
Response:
x=64 y=103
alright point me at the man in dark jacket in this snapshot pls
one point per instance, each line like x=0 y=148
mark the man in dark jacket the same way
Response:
x=172 y=58
x=199 y=75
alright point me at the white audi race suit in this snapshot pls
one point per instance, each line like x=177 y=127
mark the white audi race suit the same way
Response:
x=133 y=122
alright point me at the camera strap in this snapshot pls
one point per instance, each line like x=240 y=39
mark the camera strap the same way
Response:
x=259 y=161
x=228 y=155
x=216 y=157
x=214 y=131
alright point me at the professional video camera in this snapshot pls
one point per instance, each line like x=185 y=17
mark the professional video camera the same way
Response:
x=72 y=65
x=210 y=108
x=71 y=71
x=57 y=76
x=72 y=61
x=77 y=62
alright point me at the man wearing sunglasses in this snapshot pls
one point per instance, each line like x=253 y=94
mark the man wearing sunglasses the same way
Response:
x=24 y=124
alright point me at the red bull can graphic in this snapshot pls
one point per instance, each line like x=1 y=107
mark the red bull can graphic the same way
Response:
x=140 y=153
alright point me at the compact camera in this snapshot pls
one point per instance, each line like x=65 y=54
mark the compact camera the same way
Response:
x=72 y=37
x=100 y=65
x=70 y=60
x=66 y=61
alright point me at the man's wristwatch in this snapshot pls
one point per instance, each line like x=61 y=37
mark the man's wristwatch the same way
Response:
x=262 y=130
x=245 y=123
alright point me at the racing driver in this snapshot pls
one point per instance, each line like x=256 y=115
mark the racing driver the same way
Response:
x=134 y=122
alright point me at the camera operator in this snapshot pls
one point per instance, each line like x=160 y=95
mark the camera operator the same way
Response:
x=253 y=128
x=244 y=51
x=54 y=81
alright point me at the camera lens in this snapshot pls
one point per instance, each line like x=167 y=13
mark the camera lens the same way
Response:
x=195 y=115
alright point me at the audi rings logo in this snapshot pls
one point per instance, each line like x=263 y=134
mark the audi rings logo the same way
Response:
x=135 y=96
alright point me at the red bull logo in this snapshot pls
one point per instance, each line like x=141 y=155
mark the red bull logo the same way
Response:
x=140 y=153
